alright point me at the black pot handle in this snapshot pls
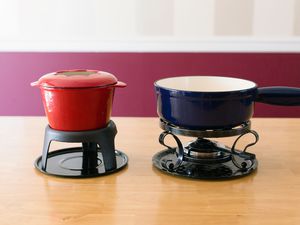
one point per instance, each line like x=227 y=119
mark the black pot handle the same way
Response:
x=286 y=96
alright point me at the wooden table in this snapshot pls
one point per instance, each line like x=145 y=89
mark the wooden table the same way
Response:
x=140 y=194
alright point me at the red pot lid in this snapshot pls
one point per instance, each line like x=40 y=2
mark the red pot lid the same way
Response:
x=76 y=78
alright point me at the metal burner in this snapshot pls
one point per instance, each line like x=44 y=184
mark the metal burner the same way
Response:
x=204 y=158
x=203 y=155
x=205 y=152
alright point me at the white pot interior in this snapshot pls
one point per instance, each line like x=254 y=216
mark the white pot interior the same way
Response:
x=205 y=83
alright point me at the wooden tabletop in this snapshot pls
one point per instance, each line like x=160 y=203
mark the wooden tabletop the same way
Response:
x=140 y=194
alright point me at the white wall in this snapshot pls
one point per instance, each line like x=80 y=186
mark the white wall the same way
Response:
x=150 y=25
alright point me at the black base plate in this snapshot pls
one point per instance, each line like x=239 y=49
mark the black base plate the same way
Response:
x=225 y=170
x=68 y=163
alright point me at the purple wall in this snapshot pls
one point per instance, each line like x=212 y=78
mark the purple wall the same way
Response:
x=139 y=71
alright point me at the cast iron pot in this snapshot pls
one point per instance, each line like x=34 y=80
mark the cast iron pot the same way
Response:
x=211 y=102
x=78 y=100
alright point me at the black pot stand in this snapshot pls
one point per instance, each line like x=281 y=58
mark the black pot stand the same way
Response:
x=96 y=157
x=203 y=158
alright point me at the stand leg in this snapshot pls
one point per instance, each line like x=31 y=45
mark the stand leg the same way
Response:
x=109 y=156
x=47 y=142
x=106 y=141
x=89 y=157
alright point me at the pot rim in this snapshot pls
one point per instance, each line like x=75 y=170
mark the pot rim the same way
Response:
x=254 y=85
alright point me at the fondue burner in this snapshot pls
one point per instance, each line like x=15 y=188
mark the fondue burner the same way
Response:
x=203 y=158
x=96 y=157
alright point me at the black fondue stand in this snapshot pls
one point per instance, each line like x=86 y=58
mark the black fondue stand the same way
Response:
x=96 y=157
x=203 y=158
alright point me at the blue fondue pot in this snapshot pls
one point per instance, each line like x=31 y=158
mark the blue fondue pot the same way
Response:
x=212 y=102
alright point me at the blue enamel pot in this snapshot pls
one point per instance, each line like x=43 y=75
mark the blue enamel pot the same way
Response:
x=212 y=102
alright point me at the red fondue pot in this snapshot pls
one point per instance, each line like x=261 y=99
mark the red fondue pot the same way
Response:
x=77 y=100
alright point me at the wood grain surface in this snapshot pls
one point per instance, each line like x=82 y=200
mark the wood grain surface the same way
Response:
x=140 y=194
